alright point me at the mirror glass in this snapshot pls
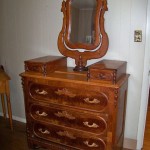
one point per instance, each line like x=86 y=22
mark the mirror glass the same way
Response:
x=82 y=21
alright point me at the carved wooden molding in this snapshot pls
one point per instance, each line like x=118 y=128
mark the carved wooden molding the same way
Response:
x=66 y=134
x=95 y=52
x=65 y=92
x=65 y=114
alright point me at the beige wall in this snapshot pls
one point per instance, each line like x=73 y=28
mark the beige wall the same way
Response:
x=29 y=29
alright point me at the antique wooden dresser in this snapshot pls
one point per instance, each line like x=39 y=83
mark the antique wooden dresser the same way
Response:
x=81 y=108
x=68 y=110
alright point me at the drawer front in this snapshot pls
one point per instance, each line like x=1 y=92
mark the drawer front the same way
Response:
x=103 y=75
x=39 y=68
x=70 y=96
x=69 y=137
x=94 y=123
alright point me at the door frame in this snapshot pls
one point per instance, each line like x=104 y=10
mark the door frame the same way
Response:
x=145 y=85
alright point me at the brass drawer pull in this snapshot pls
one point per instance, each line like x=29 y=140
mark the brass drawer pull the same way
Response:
x=65 y=133
x=43 y=114
x=65 y=92
x=94 y=125
x=65 y=114
x=43 y=92
x=94 y=101
x=44 y=132
x=92 y=145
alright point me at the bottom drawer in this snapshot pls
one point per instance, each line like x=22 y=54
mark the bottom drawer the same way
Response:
x=69 y=137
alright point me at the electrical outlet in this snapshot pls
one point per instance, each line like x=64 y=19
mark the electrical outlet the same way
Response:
x=138 y=36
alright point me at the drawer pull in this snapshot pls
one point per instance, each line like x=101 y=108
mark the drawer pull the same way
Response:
x=94 y=101
x=43 y=92
x=94 y=125
x=92 y=145
x=102 y=76
x=44 y=132
x=65 y=92
x=43 y=114
x=65 y=133
x=65 y=114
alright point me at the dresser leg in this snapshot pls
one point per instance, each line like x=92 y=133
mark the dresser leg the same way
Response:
x=9 y=111
x=9 y=105
x=32 y=146
x=3 y=105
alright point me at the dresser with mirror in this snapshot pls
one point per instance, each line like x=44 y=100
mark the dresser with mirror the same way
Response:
x=81 y=107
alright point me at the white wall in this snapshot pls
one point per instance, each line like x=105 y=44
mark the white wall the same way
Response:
x=29 y=29
x=145 y=84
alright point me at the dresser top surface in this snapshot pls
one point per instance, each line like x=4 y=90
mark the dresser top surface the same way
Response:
x=70 y=76
x=45 y=59
x=108 y=64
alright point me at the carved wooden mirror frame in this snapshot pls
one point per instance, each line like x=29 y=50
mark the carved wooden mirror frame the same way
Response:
x=91 y=51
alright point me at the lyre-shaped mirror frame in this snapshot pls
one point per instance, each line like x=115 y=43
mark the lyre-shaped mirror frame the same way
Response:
x=91 y=51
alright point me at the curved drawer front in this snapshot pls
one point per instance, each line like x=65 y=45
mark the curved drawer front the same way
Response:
x=85 y=98
x=84 y=121
x=72 y=138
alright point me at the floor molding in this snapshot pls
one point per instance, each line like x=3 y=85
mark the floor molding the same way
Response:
x=130 y=143
x=19 y=119
x=23 y=120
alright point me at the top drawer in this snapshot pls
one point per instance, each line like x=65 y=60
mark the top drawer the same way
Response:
x=69 y=95
x=45 y=65
x=107 y=71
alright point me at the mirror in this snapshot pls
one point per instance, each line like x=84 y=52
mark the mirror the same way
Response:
x=83 y=36
x=82 y=21
x=82 y=25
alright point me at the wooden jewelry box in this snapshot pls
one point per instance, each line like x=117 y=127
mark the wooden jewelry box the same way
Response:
x=109 y=71
x=45 y=65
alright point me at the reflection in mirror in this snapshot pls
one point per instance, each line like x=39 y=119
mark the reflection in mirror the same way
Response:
x=83 y=21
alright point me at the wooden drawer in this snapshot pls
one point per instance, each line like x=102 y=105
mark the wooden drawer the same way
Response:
x=107 y=71
x=69 y=137
x=90 y=122
x=85 y=98
x=45 y=65
x=102 y=75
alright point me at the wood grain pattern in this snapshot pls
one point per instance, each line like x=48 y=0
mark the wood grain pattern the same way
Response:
x=107 y=71
x=94 y=51
x=66 y=111
x=45 y=65
x=4 y=90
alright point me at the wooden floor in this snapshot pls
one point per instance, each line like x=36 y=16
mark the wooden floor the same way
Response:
x=15 y=140
x=147 y=132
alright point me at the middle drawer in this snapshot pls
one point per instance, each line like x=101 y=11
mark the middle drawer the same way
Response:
x=90 y=122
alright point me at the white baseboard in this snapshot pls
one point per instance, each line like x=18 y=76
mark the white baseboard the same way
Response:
x=130 y=144
x=16 y=118
x=19 y=119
